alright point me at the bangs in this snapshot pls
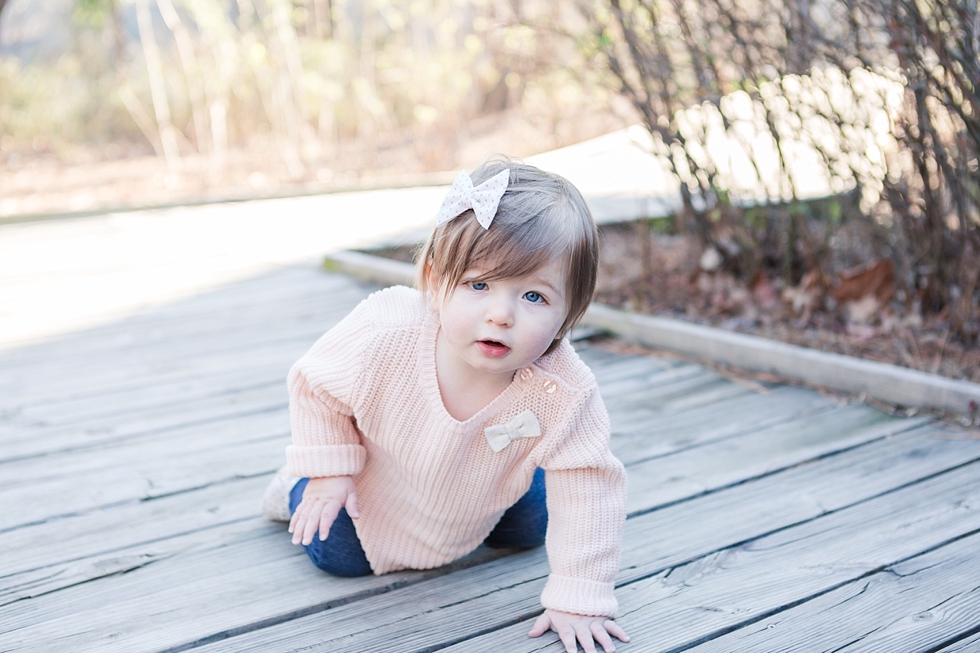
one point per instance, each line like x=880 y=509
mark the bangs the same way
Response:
x=517 y=252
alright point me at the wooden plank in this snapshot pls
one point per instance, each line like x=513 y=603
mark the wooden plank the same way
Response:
x=130 y=524
x=178 y=414
x=192 y=457
x=213 y=312
x=90 y=395
x=655 y=377
x=150 y=607
x=890 y=383
x=176 y=551
x=458 y=606
x=79 y=412
x=969 y=644
x=151 y=352
x=99 y=479
x=603 y=361
x=912 y=606
x=684 y=605
x=181 y=320
x=122 y=526
x=641 y=434
x=690 y=472
x=84 y=396
x=663 y=386
x=705 y=537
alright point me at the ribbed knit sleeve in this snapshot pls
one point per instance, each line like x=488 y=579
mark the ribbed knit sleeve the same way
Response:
x=586 y=490
x=322 y=385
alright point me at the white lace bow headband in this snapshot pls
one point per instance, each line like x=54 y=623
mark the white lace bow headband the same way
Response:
x=483 y=199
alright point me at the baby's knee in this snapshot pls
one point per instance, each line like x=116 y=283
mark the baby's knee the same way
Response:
x=346 y=564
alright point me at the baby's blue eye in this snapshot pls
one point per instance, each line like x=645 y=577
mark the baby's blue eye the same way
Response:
x=478 y=285
x=533 y=297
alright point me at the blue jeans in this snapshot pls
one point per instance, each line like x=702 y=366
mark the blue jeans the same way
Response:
x=523 y=526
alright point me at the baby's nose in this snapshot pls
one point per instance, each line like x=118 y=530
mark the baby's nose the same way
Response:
x=501 y=313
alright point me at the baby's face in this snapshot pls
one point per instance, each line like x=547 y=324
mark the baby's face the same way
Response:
x=501 y=326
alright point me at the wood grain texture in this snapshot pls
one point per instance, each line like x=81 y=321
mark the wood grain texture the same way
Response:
x=656 y=542
x=732 y=588
x=910 y=606
x=179 y=571
x=132 y=458
x=967 y=644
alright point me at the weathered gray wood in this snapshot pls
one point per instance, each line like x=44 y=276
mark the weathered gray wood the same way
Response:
x=910 y=606
x=83 y=411
x=609 y=367
x=99 y=479
x=713 y=594
x=945 y=450
x=132 y=363
x=643 y=433
x=100 y=531
x=885 y=382
x=139 y=470
x=178 y=414
x=694 y=471
x=969 y=644
x=193 y=561
x=656 y=377
x=150 y=606
x=375 y=268
x=211 y=313
x=140 y=467
x=467 y=603
x=209 y=544
x=156 y=332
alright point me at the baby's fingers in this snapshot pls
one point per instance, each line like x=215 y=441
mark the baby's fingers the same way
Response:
x=613 y=628
x=313 y=517
x=351 y=506
x=298 y=523
x=567 y=635
x=327 y=517
x=602 y=637
x=541 y=626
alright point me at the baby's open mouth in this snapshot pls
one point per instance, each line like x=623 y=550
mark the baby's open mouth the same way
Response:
x=493 y=347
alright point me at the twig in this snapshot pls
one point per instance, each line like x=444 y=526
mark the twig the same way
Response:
x=939 y=356
x=915 y=345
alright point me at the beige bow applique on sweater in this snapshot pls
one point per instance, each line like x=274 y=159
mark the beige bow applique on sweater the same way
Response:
x=524 y=425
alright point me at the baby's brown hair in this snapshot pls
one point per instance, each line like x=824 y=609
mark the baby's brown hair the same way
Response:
x=540 y=218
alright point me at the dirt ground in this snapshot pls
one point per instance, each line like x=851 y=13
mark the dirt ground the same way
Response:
x=678 y=288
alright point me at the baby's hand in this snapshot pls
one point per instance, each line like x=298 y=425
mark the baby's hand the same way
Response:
x=571 y=626
x=322 y=500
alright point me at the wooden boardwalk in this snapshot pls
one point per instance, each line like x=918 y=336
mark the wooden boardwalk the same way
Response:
x=133 y=456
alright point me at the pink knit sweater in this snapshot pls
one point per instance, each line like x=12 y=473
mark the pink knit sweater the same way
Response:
x=365 y=402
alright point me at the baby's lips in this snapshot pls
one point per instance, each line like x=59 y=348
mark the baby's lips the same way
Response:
x=493 y=348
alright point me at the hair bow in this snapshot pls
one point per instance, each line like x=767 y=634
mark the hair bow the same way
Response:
x=483 y=199
x=524 y=425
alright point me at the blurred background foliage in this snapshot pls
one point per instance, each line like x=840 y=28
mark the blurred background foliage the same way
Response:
x=305 y=79
x=882 y=93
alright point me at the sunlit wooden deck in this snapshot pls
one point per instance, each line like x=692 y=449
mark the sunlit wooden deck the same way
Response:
x=761 y=518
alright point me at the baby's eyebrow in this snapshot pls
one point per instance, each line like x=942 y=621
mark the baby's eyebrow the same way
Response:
x=544 y=282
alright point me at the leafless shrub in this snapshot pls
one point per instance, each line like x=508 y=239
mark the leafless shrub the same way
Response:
x=882 y=95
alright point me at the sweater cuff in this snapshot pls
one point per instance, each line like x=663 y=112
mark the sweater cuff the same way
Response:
x=327 y=460
x=579 y=596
